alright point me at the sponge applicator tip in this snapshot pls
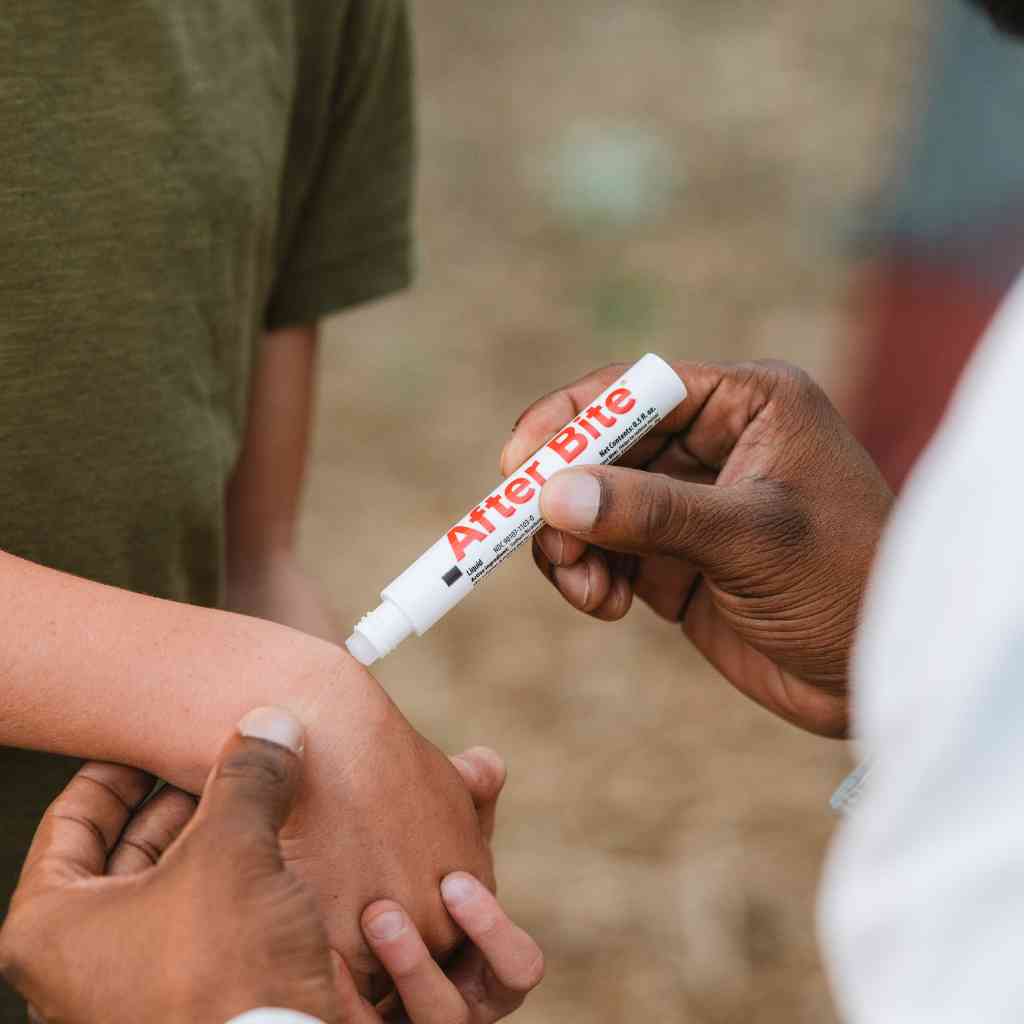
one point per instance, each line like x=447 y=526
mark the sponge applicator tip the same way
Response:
x=361 y=649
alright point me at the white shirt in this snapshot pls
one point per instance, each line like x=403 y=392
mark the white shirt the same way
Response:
x=922 y=910
x=268 y=1015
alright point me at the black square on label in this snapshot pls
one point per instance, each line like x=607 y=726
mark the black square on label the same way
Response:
x=453 y=574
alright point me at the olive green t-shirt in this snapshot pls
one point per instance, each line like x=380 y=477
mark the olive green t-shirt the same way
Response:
x=176 y=177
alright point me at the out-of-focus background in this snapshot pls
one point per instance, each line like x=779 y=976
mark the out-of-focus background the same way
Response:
x=598 y=180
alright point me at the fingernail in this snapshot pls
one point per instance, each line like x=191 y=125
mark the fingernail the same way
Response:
x=458 y=889
x=468 y=768
x=552 y=543
x=492 y=757
x=574 y=582
x=570 y=501
x=275 y=725
x=386 y=926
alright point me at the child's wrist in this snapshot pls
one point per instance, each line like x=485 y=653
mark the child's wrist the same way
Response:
x=318 y=682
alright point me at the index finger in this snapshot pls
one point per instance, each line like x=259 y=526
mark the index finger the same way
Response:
x=515 y=961
x=81 y=827
x=731 y=411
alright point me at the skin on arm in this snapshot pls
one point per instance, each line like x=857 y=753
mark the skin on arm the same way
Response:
x=137 y=662
x=264 y=577
x=98 y=672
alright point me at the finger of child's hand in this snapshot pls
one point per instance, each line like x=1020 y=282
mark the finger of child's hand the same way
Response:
x=484 y=773
x=352 y=1007
x=148 y=835
x=425 y=991
x=504 y=965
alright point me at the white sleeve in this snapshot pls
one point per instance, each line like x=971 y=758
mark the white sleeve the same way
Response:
x=922 y=910
x=269 y=1015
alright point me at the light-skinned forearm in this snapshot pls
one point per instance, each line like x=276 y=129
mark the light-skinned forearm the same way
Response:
x=98 y=672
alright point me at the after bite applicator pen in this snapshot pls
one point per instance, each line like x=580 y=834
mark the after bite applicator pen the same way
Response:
x=479 y=542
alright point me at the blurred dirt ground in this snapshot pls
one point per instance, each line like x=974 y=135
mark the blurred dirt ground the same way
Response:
x=599 y=180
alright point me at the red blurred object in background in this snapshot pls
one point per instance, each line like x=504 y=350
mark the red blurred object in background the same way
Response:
x=921 y=322
x=946 y=240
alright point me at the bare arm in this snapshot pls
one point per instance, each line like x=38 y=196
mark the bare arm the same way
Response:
x=98 y=672
x=103 y=673
x=94 y=671
x=264 y=575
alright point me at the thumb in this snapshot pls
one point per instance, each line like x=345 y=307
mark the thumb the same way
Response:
x=254 y=782
x=643 y=513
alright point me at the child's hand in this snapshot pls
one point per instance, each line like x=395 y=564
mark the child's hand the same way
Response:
x=383 y=813
x=203 y=925
x=486 y=980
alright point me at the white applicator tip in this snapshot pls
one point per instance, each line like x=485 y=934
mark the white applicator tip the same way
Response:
x=361 y=649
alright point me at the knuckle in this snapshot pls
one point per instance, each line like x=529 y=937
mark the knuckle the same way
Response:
x=659 y=513
x=795 y=382
x=666 y=515
x=800 y=378
x=780 y=369
x=782 y=518
x=408 y=968
x=490 y=924
x=790 y=384
x=146 y=849
x=740 y=381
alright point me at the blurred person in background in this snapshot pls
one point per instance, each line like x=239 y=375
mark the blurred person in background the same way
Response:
x=750 y=518
x=186 y=191
x=947 y=238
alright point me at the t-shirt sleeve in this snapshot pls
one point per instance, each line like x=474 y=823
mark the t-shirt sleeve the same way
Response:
x=345 y=232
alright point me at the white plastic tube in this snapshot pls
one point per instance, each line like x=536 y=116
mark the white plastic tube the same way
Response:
x=479 y=542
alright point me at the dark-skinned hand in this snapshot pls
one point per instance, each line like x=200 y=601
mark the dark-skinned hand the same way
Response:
x=156 y=911
x=750 y=516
